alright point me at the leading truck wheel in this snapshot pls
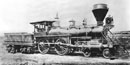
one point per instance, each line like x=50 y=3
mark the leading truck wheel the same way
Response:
x=43 y=47
x=60 y=48
x=106 y=53
x=86 y=52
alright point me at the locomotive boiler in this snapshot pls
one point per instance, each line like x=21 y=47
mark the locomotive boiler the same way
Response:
x=65 y=40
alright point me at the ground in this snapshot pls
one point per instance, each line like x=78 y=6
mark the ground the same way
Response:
x=53 y=59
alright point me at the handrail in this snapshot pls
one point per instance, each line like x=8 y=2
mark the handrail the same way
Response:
x=106 y=38
x=124 y=48
x=114 y=37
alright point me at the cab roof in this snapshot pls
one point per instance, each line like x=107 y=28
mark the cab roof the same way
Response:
x=42 y=22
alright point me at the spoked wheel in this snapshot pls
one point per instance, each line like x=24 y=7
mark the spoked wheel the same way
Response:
x=126 y=53
x=60 y=48
x=86 y=52
x=8 y=48
x=43 y=47
x=13 y=50
x=106 y=53
x=29 y=50
x=71 y=50
x=23 y=50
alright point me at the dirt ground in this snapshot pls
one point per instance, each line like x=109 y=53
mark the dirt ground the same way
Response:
x=53 y=59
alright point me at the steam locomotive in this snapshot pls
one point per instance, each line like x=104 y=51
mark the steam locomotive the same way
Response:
x=49 y=35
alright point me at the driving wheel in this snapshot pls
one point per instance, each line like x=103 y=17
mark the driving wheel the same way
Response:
x=43 y=47
x=86 y=52
x=61 y=48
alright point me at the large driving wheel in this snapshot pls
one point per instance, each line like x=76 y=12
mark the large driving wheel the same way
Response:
x=23 y=50
x=106 y=53
x=61 y=49
x=86 y=52
x=43 y=47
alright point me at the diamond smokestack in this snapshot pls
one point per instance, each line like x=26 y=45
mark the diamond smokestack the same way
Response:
x=100 y=11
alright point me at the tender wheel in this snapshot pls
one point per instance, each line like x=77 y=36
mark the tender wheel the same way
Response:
x=8 y=48
x=29 y=49
x=106 y=53
x=60 y=48
x=23 y=50
x=13 y=50
x=42 y=47
x=86 y=52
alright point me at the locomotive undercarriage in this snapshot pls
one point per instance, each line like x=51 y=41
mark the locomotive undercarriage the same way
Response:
x=86 y=45
x=68 y=45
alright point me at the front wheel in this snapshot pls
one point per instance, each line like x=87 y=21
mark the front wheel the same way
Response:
x=106 y=53
x=86 y=52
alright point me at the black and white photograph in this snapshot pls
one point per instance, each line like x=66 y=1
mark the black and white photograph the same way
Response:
x=64 y=32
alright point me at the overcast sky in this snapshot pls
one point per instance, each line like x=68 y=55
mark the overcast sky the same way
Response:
x=15 y=15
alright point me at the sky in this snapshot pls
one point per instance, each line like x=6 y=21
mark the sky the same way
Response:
x=16 y=15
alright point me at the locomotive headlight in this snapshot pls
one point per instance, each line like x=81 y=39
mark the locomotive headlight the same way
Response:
x=109 y=20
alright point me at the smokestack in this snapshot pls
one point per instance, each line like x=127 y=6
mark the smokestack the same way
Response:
x=100 y=11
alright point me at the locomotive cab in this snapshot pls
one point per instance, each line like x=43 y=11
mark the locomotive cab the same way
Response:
x=42 y=27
